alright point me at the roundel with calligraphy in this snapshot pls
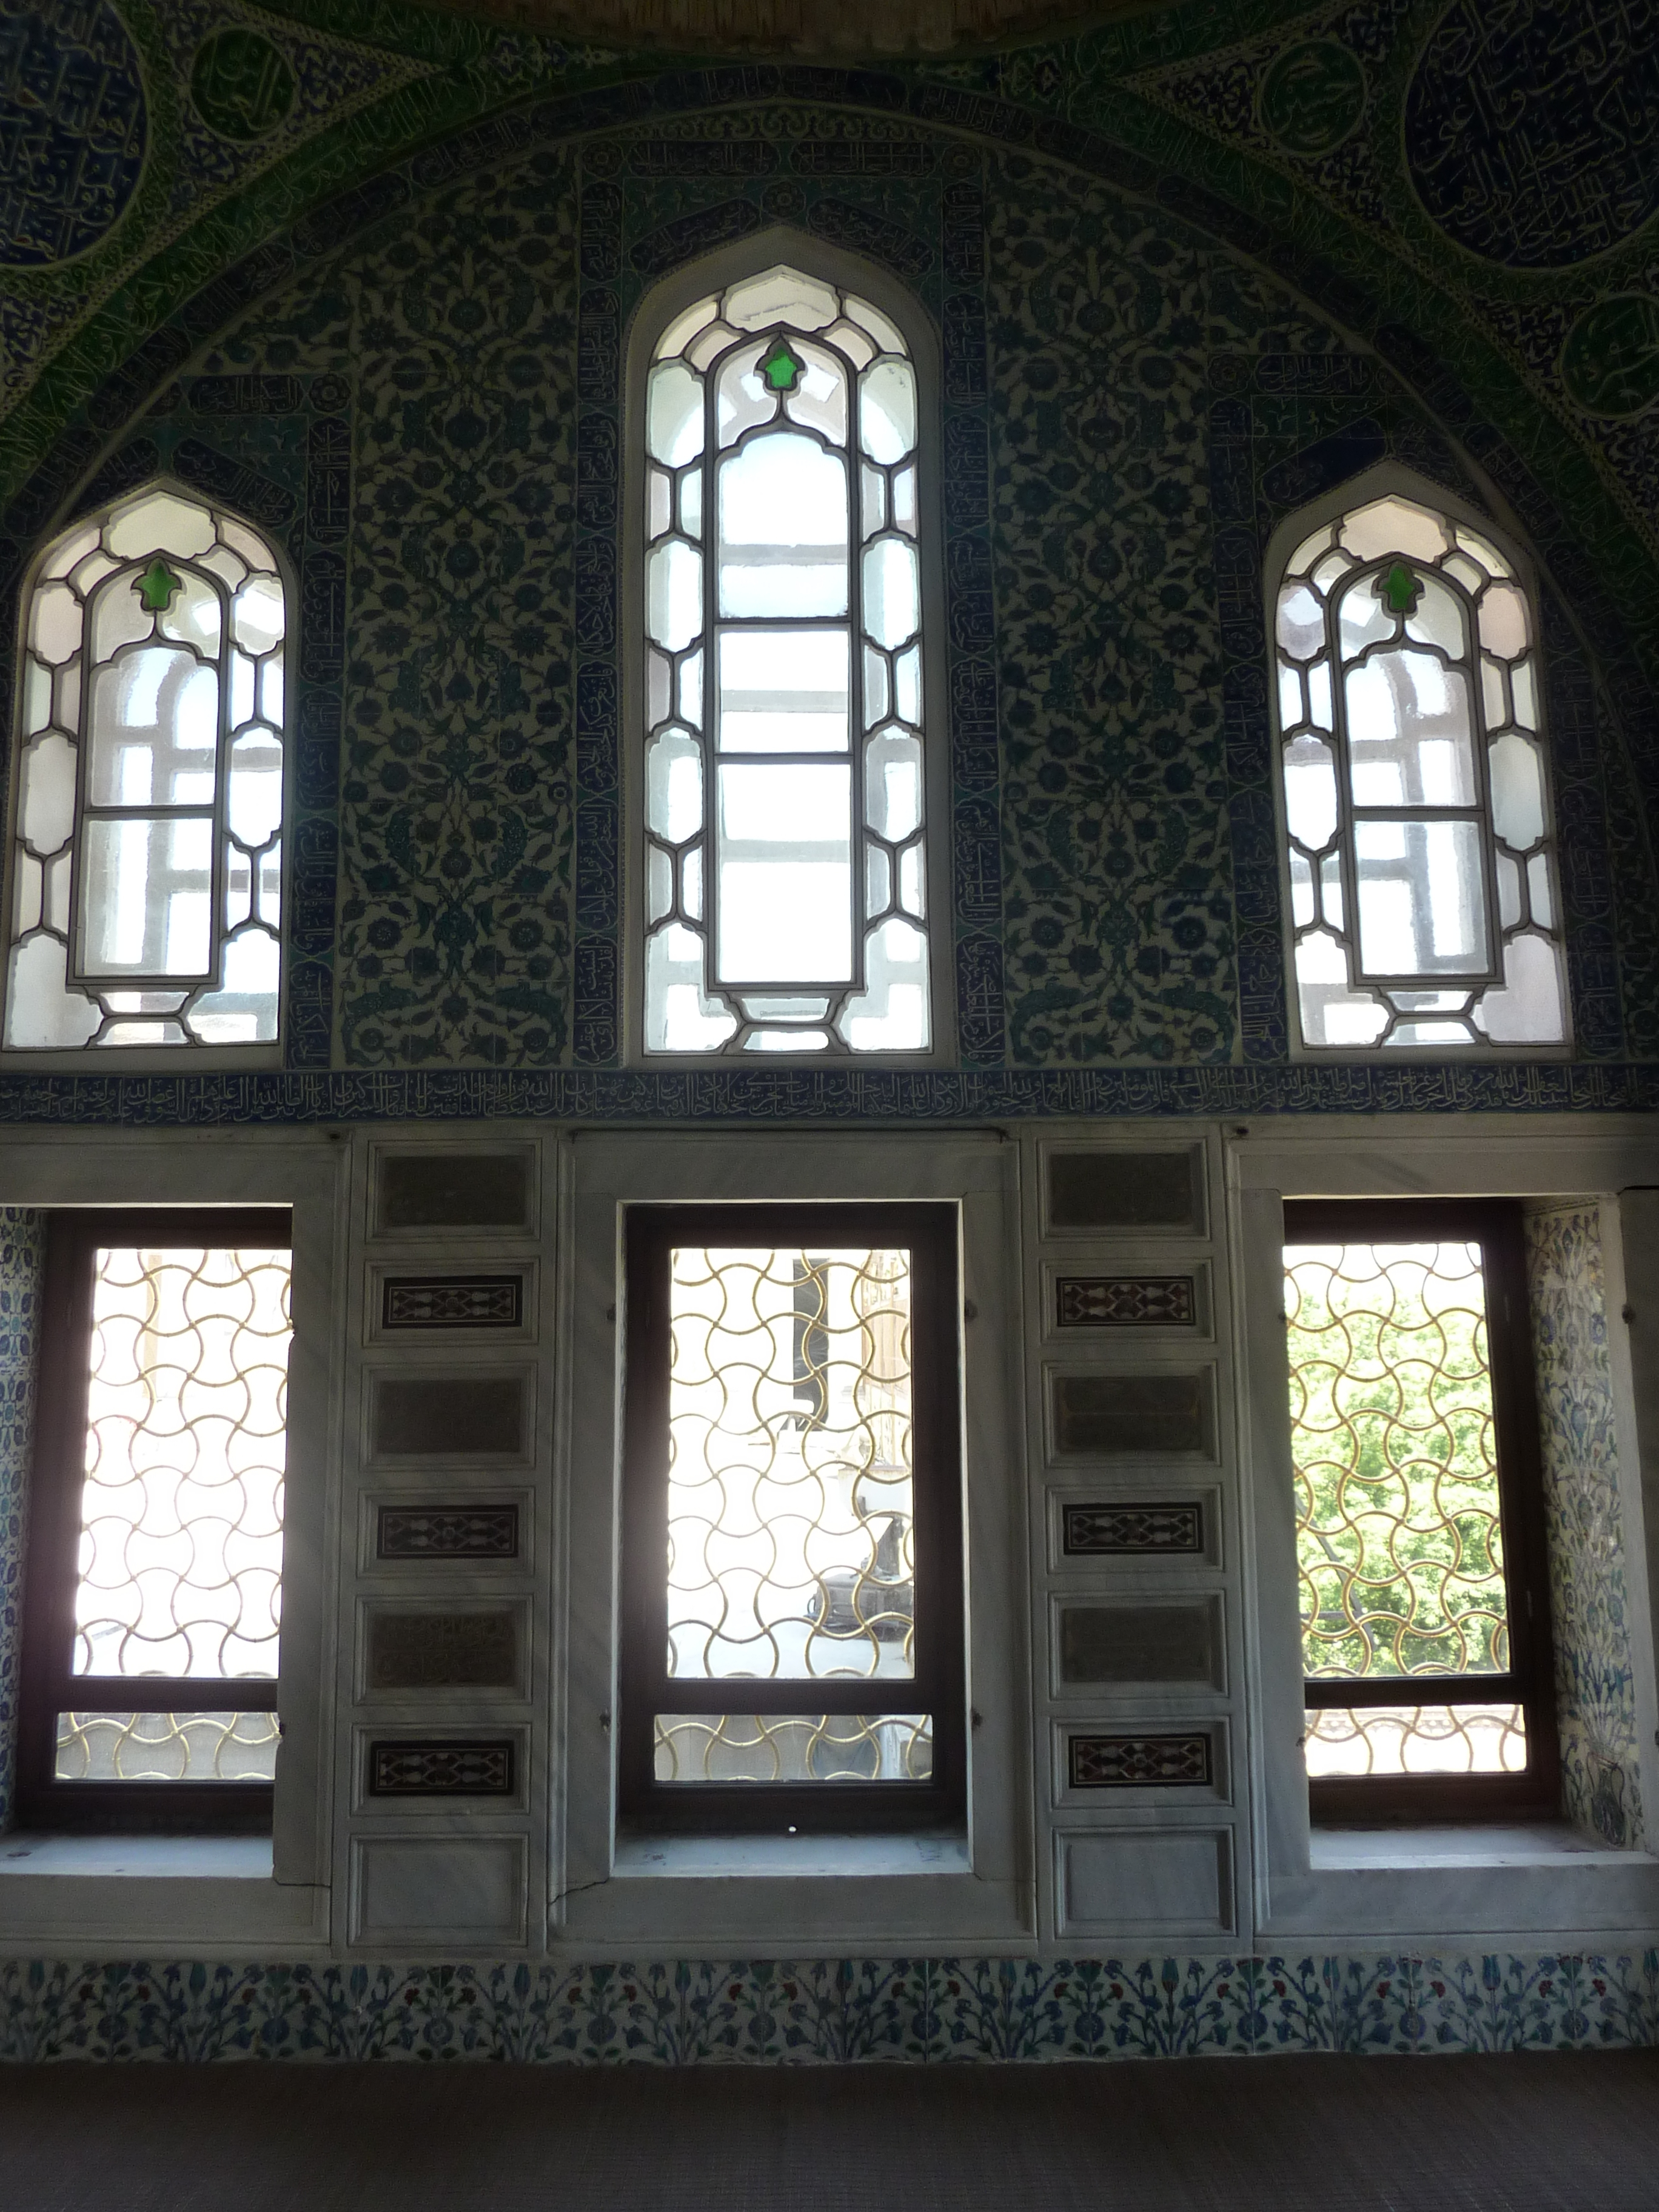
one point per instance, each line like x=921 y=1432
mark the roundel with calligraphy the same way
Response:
x=73 y=126
x=1532 y=127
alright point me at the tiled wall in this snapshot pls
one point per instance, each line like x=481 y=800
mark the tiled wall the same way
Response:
x=22 y=1244
x=1595 y=1694
x=428 y=415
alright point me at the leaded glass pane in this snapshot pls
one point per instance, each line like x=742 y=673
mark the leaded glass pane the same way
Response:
x=1421 y=854
x=793 y=1748
x=181 y=1508
x=165 y=1747
x=1399 y=1534
x=781 y=422
x=147 y=846
x=790 y=1495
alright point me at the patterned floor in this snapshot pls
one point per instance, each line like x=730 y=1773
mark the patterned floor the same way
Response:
x=1528 y=2133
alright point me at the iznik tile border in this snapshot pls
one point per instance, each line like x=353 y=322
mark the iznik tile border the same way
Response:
x=780 y=1095
x=827 y=2012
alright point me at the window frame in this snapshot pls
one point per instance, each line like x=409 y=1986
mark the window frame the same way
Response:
x=1382 y=481
x=149 y=1058
x=649 y=318
x=1496 y=1224
x=47 y=1684
x=931 y=1229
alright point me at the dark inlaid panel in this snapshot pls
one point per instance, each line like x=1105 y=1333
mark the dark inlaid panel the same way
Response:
x=443 y=1766
x=1180 y=1642
x=454 y=1190
x=1125 y=1302
x=1107 y=1415
x=1127 y=1190
x=446 y=1531
x=1132 y=1762
x=1091 y=1530
x=474 y=1651
x=466 y=1416
x=452 y=1301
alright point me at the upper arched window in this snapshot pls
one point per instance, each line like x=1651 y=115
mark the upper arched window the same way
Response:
x=785 y=893
x=1424 y=900
x=146 y=849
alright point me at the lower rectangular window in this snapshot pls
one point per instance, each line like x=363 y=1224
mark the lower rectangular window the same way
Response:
x=153 y=1590
x=792 y=1653
x=1429 y=1690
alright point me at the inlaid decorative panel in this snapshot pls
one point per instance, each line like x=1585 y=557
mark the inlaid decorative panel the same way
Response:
x=1108 y=1415
x=1116 y=1189
x=469 y=1416
x=1131 y=1528
x=1176 y=1641
x=452 y=1301
x=446 y=1766
x=1124 y=1301
x=428 y=1651
x=446 y=1531
x=1129 y=1762
x=453 y=1190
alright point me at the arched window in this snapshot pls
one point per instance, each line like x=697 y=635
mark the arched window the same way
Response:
x=146 y=862
x=785 y=893
x=1425 y=900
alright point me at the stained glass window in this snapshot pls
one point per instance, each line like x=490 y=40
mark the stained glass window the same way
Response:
x=786 y=890
x=146 y=863
x=156 y=1535
x=1423 y=887
x=1415 y=1623
x=786 y=1451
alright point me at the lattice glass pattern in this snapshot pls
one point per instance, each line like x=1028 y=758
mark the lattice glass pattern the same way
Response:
x=793 y=1748
x=147 y=858
x=1424 y=898
x=166 y=1746
x=1400 y=1542
x=1396 y=1740
x=181 y=1513
x=790 y=1512
x=786 y=890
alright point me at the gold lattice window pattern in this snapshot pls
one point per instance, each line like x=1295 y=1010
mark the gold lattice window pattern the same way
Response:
x=790 y=1509
x=179 y=1571
x=1400 y=1537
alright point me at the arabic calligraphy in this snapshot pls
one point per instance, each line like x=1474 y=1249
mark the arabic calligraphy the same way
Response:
x=73 y=126
x=1313 y=96
x=1610 y=362
x=1531 y=126
x=240 y=85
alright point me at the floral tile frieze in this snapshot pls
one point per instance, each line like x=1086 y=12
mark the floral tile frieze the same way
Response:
x=927 y=2011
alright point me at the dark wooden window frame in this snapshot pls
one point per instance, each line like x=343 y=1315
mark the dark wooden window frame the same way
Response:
x=930 y=1232
x=1496 y=1225
x=51 y=1572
